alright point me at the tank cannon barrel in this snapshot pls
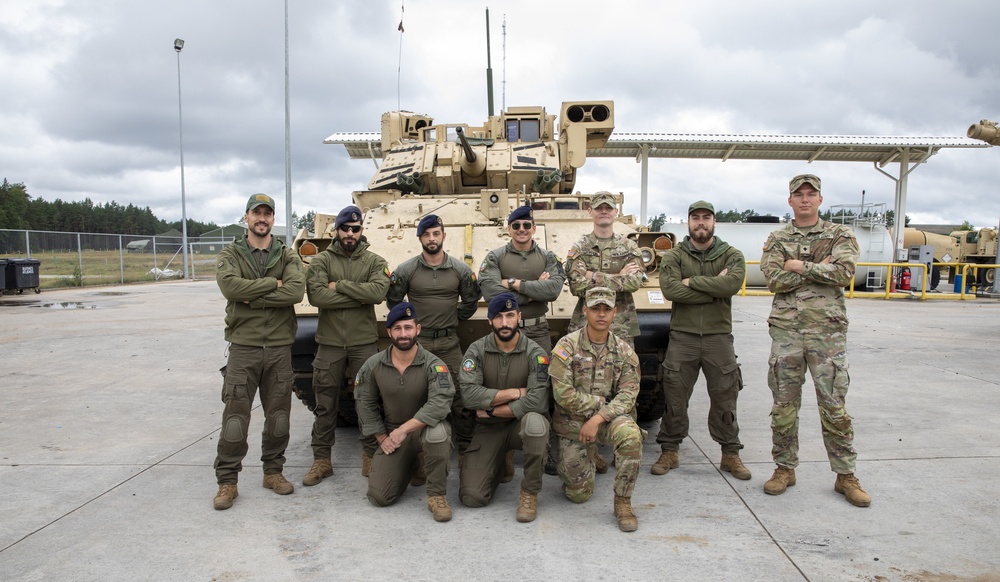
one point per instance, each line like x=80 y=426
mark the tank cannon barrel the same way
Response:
x=985 y=130
x=471 y=163
x=470 y=155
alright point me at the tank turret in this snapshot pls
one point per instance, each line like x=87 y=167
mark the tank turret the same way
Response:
x=985 y=130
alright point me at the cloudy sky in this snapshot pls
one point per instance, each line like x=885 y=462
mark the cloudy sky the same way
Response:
x=89 y=105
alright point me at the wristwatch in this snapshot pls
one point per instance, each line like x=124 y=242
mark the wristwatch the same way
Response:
x=510 y=283
x=489 y=412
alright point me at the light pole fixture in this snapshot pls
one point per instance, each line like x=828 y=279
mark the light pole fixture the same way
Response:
x=178 y=45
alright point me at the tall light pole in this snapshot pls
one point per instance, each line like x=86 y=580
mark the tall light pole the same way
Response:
x=289 y=231
x=178 y=45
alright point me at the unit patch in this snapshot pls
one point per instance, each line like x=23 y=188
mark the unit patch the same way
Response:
x=482 y=267
x=469 y=365
x=444 y=378
x=392 y=278
x=386 y=271
x=544 y=361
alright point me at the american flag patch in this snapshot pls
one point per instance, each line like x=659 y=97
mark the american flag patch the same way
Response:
x=561 y=353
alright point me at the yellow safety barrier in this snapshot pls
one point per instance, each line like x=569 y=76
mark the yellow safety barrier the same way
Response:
x=889 y=293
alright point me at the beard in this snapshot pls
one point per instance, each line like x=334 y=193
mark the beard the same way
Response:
x=258 y=225
x=431 y=249
x=504 y=334
x=701 y=236
x=403 y=344
x=349 y=245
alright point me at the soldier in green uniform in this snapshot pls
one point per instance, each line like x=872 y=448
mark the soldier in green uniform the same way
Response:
x=345 y=281
x=807 y=265
x=404 y=394
x=534 y=275
x=444 y=291
x=595 y=381
x=605 y=259
x=261 y=280
x=700 y=276
x=505 y=378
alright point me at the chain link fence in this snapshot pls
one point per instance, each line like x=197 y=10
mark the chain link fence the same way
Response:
x=71 y=259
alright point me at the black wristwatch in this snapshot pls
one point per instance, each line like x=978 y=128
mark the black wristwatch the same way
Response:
x=510 y=283
x=489 y=412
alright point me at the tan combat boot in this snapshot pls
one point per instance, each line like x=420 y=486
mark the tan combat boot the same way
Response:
x=320 y=468
x=782 y=479
x=417 y=476
x=627 y=521
x=848 y=485
x=438 y=505
x=731 y=463
x=600 y=463
x=224 y=498
x=527 y=507
x=508 y=469
x=277 y=483
x=366 y=464
x=668 y=460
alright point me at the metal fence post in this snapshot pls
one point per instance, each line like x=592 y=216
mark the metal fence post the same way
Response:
x=79 y=255
x=191 y=254
x=27 y=243
x=121 y=259
x=156 y=275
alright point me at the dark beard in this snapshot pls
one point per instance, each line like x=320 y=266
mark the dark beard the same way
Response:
x=404 y=344
x=509 y=332
x=348 y=245
x=431 y=251
x=701 y=237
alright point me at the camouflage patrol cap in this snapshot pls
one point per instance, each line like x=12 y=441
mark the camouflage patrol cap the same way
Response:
x=260 y=200
x=801 y=179
x=603 y=197
x=701 y=205
x=403 y=310
x=599 y=295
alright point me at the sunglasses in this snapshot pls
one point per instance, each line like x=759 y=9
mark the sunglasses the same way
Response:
x=521 y=225
x=350 y=228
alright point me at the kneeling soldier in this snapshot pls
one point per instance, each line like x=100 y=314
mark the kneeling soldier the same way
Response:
x=505 y=378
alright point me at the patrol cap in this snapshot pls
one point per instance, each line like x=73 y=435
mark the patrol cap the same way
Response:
x=348 y=214
x=521 y=212
x=501 y=303
x=598 y=295
x=801 y=179
x=402 y=310
x=429 y=221
x=603 y=197
x=260 y=200
x=701 y=205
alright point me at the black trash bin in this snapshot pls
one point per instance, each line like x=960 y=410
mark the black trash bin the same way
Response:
x=22 y=274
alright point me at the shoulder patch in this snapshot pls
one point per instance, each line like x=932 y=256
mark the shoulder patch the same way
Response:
x=571 y=253
x=386 y=271
x=441 y=369
x=561 y=353
x=767 y=245
x=220 y=264
x=469 y=365
x=543 y=360
x=482 y=266
x=357 y=378
x=392 y=278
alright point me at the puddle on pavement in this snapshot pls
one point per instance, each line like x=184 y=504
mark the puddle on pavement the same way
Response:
x=111 y=293
x=66 y=305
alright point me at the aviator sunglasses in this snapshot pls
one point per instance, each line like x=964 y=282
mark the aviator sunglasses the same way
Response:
x=526 y=225
x=350 y=228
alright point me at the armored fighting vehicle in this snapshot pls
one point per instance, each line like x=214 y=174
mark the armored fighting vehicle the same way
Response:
x=473 y=177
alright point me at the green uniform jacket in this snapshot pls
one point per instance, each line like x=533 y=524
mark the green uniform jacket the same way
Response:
x=584 y=384
x=705 y=305
x=436 y=307
x=258 y=312
x=607 y=257
x=425 y=389
x=811 y=302
x=484 y=357
x=491 y=276
x=347 y=315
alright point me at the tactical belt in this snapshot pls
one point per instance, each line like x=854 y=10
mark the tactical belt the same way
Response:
x=533 y=321
x=436 y=333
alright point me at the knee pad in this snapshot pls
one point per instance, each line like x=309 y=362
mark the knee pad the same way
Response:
x=234 y=430
x=535 y=425
x=578 y=496
x=472 y=500
x=279 y=424
x=437 y=434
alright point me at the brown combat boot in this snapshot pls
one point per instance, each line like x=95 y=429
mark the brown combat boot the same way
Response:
x=782 y=479
x=366 y=464
x=527 y=507
x=668 y=460
x=848 y=485
x=418 y=477
x=731 y=463
x=508 y=469
x=627 y=521
x=600 y=463
x=224 y=498
x=438 y=505
x=320 y=468
x=277 y=483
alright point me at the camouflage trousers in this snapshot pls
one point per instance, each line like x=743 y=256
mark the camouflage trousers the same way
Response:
x=248 y=368
x=576 y=459
x=332 y=366
x=825 y=354
x=462 y=420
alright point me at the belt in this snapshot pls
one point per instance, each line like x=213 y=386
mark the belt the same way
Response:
x=533 y=321
x=436 y=333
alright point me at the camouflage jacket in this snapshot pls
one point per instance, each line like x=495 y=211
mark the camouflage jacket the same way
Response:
x=347 y=315
x=811 y=302
x=585 y=384
x=447 y=298
x=258 y=312
x=606 y=257
x=491 y=275
x=705 y=304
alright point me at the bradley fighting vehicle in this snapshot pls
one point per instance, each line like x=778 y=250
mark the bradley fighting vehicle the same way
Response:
x=473 y=177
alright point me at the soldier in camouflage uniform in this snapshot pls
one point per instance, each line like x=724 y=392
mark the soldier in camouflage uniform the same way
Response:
x=807 y=264
x=605 y=259
x=404 y=394
x=595 y=381
x=444 y=292
x=505 y=378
